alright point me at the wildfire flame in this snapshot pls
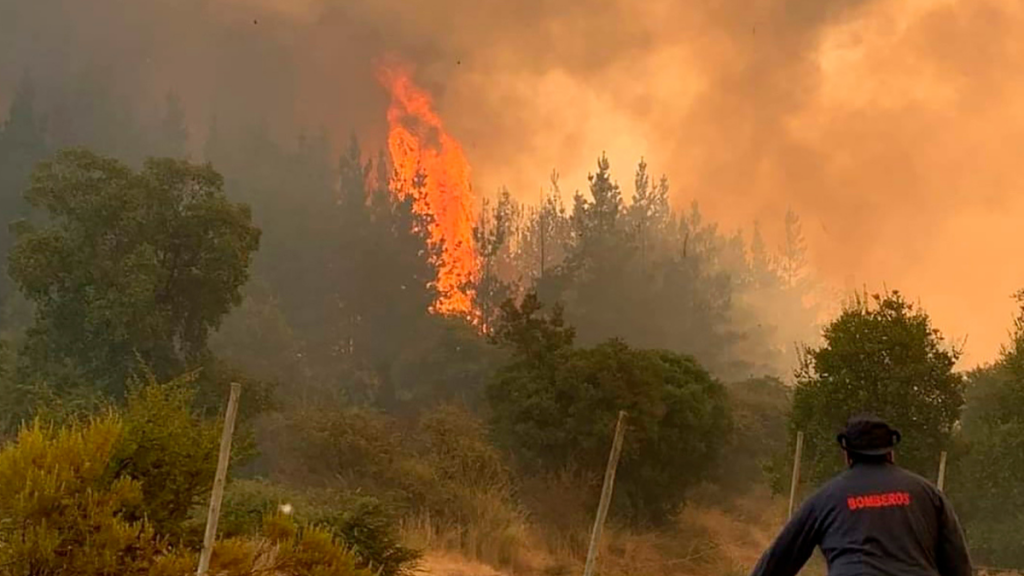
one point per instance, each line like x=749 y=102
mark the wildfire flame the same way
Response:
x=419 y=145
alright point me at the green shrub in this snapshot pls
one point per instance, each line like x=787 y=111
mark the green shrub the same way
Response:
x=361 y=522
x=248 y=502
x=286 y=548
x=368 y=529
x=169 y=450
x=556 y=406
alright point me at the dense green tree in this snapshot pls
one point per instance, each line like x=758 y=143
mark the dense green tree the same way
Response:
x=286 y=328
x=129 y=267
x=346 y=263
x=294 y=295
x=694 y=296
x=556 y=405
x=984 y=475
x=880 y=356
x=533 y=338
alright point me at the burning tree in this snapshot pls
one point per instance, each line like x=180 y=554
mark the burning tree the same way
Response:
x=425 y=156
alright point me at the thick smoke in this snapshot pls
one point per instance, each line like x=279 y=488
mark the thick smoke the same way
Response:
x=891 y=126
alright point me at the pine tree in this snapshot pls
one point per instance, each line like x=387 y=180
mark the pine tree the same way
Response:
x=596 y=222
x=492 y=237
x=595 y=276
x=793 y=255
x=384 y=272
x=545 y=237
x=761 y=262
x=649 y=214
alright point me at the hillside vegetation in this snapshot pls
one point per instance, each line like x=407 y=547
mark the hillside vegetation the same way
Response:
x=377 y=436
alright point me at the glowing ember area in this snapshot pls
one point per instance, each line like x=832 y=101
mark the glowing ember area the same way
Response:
x=419 y=145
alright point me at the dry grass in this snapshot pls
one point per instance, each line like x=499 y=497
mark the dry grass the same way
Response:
x=502 y=540
x=446 y=564
x=705 y=540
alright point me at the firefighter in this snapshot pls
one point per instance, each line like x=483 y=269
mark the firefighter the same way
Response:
x=874 y=519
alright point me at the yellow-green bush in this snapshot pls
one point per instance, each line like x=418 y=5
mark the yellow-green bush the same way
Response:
x=62 y=509
x=169 y=450
x=111 y=494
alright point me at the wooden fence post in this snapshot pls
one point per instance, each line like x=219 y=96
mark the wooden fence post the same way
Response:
x=606 y=495
x=218 y=481
x=942 y=471
x=795 y=483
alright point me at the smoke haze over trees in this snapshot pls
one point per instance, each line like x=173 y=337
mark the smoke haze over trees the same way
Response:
x=850 y=112
x=670 y=198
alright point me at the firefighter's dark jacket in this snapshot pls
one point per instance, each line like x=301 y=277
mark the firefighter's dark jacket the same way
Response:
x=873 y=520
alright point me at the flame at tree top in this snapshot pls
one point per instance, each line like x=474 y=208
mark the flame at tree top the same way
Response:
x=419 y=145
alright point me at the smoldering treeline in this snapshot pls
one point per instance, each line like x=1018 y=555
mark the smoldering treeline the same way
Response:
x=263 y=94
x=857 y=114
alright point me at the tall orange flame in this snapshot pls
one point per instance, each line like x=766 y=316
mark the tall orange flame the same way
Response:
x=419 y=145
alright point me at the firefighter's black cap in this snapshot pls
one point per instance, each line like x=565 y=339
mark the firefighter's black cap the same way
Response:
x=868 y=435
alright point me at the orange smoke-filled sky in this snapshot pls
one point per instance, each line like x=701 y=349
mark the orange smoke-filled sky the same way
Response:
x=893 y=127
